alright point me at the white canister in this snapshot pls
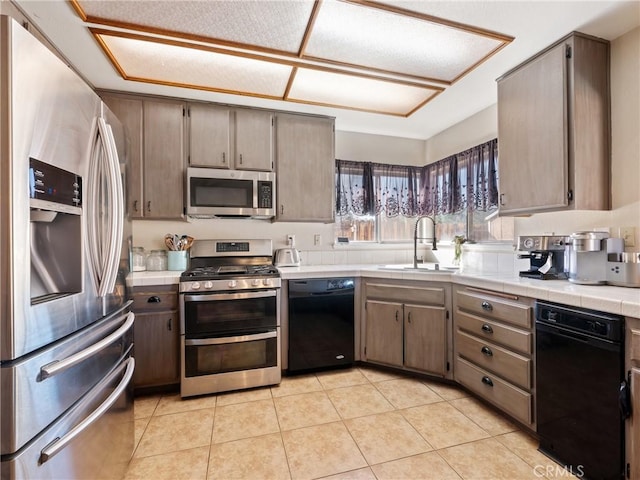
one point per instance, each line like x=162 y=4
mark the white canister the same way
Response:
x=177 y=260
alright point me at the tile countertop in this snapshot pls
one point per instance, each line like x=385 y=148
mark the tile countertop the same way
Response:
x=605 y=298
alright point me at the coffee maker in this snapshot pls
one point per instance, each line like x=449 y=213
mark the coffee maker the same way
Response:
x=546 y=254
x=588 y=258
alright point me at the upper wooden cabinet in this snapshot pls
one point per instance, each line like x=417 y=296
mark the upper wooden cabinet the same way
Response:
x=209 y=136
x=163 y=159
x=554 y=130
x=155 y=167
x=306 y=168
x=254 y=140
x=129 y=112
x=220 y=137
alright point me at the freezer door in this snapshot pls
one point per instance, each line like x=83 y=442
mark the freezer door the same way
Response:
x=39 y=388
x=94 y=439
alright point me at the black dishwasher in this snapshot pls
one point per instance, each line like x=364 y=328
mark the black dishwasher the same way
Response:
x=579 y=373
x=321 y=327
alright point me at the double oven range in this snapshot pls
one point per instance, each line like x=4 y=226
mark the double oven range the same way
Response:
x=229 y=317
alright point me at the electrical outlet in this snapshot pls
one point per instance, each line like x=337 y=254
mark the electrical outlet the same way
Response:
x=317 y=239
x=628 y=234
x=291 y=240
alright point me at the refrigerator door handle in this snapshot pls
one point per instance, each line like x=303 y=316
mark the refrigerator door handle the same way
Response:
x=59 y=366
x=117 y=207
x=61 y=442
x=94 y=234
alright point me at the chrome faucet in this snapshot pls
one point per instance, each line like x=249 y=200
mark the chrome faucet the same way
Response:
x=415 y=238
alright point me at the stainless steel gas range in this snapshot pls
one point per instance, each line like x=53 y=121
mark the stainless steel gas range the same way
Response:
x=229 y=317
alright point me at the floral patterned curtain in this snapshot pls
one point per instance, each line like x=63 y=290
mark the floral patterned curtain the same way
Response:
x=354 y=188
x=466 y=180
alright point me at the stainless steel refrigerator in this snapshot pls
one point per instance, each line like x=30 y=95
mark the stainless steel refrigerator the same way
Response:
x=66 y=335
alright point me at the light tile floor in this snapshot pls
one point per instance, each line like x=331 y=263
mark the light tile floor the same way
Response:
x=355 y=424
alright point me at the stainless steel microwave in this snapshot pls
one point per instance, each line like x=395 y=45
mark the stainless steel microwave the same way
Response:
x=213 y=192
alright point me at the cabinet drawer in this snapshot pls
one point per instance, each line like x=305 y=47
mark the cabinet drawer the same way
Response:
x=514 y=338
x=406 y=294
x=155 y=299
x=634 y=344
x=507 y=397
x=498 y=309
x=511 y=366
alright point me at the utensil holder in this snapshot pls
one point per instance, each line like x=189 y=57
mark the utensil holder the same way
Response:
x=177 y=260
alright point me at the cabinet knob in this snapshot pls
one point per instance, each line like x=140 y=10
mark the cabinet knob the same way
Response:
x=154 y=299
x=487 y=306
x=486 y=351
x=487 y=328
x=487 y=381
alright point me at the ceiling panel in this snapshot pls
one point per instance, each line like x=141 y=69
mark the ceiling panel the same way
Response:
x=159 y=62
x=271 y=25
x=397 y=41
x=361 y=93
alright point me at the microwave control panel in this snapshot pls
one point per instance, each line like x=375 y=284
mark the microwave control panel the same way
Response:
x=265 y=194
x=53 y=184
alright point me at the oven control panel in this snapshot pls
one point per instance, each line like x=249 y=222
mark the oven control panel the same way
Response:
x=225 y=285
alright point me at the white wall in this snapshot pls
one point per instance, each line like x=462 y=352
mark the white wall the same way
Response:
x=363 y=147
x=625 y=151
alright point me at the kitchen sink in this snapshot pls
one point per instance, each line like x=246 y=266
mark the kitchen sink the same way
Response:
x=422 y=267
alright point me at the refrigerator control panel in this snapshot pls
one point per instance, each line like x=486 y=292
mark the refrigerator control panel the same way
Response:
x=54 y=184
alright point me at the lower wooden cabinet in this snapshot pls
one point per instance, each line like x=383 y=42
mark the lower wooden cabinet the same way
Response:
x=156 y=336
x=494 y=349
x=402 y=332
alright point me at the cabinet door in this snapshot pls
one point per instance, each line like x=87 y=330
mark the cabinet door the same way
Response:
x=306 y=169
x=129 y=112
x=532 y=135
x=384 y=332
x=156 y=349
x=254 y=140
x=425 y=338
x=209 y=136
x=163 y=159
x=634 y=429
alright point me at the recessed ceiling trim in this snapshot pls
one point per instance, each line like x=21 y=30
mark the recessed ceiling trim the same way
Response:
x=429 y=91
x=254 y=56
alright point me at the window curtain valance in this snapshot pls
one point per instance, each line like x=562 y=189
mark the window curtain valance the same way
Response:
x=466 y=180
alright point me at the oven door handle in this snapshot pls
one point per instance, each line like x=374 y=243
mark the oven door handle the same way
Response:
x=229 y=296
x=223 y=340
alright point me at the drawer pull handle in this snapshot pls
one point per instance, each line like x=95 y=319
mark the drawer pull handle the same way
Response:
x=396 y=315
x=487 y=351
x=154 y=299
x=487 y=306
x=487 y=381
x=487 y=328
x=169 y=322
x=409 y=317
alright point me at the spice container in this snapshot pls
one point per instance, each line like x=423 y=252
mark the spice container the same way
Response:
x=157 y=260
x=139 y=259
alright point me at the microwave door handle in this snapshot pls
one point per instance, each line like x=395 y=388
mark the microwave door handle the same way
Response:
x=60 y=443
